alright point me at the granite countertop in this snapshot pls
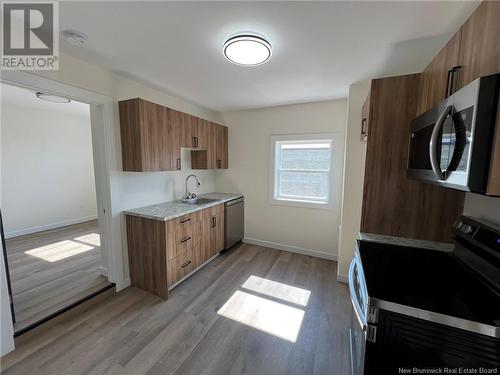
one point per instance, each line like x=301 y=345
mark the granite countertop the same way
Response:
x=408 y=242
x=171 y=210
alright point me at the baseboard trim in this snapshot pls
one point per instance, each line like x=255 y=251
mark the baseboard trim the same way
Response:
x=41 y=228
x=291 y=249
x=120 y=285
x=342 y=278
x=103 y=271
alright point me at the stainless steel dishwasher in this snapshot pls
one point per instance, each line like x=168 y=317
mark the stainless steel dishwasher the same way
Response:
x=234 y=221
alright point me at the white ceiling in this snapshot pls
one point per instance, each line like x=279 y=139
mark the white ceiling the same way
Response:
x=22 y=97
x=319 y=48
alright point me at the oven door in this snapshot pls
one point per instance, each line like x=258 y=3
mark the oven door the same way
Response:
x=357 y=332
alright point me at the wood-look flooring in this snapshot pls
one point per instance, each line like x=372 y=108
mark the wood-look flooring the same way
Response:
x=52 y=269
x=291 y=317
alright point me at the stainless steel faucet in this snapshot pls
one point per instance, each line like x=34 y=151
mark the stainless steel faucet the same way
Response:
x=189 y=195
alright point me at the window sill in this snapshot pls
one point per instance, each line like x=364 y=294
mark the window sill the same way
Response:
x=301 y=203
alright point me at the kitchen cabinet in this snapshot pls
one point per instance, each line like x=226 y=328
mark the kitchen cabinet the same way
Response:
x=186 y=138
x=222 y=147
x=480 y=43
x=213 y=231
x=434 y=79
x=163 y=252
x=152 y=136
x=480 y=56
x=475 y=51
x=215 y=154
x=149 y=136
x=392 y=203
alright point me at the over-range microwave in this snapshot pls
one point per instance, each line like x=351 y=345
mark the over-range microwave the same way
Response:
x=451 y=144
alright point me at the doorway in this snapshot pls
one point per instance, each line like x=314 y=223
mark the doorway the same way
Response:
x=51 y=224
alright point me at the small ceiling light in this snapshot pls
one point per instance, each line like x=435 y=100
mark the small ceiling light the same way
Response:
x=75 y=37
x=247 y=49
x=52 y=98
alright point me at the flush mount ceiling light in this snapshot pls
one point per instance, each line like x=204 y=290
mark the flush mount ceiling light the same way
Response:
x=75 y=37
x=52 y=98
x=247 y=49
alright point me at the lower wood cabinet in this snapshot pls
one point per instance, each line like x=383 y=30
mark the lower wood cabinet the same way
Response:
x=163 y=252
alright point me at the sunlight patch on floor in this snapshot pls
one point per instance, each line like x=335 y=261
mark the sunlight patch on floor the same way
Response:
x=288 y=293
x=263 y=314
x=59 y=250
x=93 y=239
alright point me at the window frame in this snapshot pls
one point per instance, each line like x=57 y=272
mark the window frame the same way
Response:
x=274 y=172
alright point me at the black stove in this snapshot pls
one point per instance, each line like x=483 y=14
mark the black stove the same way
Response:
x=427 y=308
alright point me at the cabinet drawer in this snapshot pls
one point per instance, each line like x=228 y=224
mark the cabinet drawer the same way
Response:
x=180 y=266
x=184 y=227
x=184 y=244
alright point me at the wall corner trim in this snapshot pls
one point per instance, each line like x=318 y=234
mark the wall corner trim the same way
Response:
x=291 y=249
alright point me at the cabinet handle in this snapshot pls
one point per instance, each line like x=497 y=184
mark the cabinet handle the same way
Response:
x=193 y=141
x=214 y=222
x=219 y=163
x=186 y=239
x=186 y=264
x=448 y=80
x=178 y=164
x=185 y=220
x=454 y=70
x=363 y=126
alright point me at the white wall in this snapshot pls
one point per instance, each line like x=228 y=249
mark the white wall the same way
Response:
x=483 y=207
x=135 y=189
x=47 y=170
x=354 y=174
x=308 y=230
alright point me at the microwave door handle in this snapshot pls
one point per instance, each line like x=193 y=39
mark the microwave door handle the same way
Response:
x=433 y=149
x=354 y=300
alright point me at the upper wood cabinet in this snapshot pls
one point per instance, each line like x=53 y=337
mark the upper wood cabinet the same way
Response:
x=434 y=78
x=392 y=203
x=215 y=154
x=480 y=44
x=475 y=51
x=152 y=136
x=222 y=147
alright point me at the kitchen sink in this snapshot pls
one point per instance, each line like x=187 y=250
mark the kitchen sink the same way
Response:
x=199 y=201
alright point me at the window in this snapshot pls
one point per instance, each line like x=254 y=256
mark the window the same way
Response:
x=301 y=170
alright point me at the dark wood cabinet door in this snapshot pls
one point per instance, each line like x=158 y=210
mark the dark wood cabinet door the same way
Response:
x=480 y=56
x=185 y=133
x=212 y=145
x=392 y=203
x=168 y=139
x=434 y=78
x=480 y=45
x=173 y=137
x=222 y=143
x=219 y=224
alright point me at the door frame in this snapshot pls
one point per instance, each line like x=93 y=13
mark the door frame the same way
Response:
x=105 y=163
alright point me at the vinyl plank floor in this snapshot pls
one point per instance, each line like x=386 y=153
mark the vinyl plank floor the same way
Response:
x=52 y=269
x=252 y=310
